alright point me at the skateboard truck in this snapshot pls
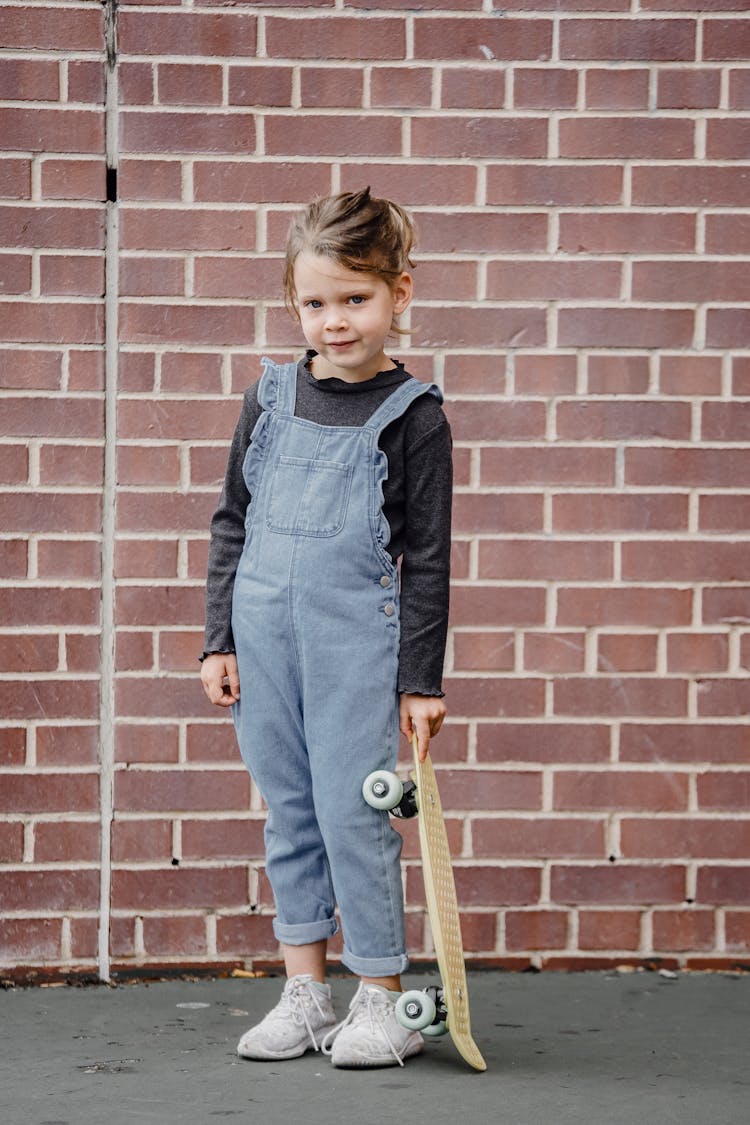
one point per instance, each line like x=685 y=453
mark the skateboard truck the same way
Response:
x=423 y=1010
x=385 y=790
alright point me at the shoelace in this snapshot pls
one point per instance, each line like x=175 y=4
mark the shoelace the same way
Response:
x=368 y=1002
x=292 y=1001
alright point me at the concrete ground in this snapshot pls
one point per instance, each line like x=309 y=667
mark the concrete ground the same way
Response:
x=561 y=1049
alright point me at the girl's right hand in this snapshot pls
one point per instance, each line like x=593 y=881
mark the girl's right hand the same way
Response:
x=221 y=679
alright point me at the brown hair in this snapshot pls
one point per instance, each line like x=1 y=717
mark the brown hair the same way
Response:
x=354 y=229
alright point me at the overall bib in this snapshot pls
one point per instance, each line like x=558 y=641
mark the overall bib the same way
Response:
x=315 y=618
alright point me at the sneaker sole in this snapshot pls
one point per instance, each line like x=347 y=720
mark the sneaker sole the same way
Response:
x=263 y=1055
x=371 y=1061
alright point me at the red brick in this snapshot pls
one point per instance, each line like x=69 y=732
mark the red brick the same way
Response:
x=558 y=465
x=13 y=746
x=76 y=559
x=737 y=927
x=697 y=652
x=86 y=81
x=67 y=745
x=483 y=652
x=204 y=229
x=222 y=839
x=151 y=742
x=174 y=936
x=690 y=375
x=684 y=742
x=162 y=605
x=50 y=699
x=178 y=651
x=51 y=793
x=84 y=938
x=601 y=512
x=726 y=605
x=553 y=652
x=236 y=277
x=480 y=605
x=739 y=88
x=536 y=929
x=30 y=939
x=507 y=39
x=153 y=558
x=181 y=790
x=626 y=233
x=628 y=138
x=618 y=884
x=188 y=324
x=609 y=929
x=142 y=511
x=548 y=375
x=213 y=34
x=497 y=421
x=475 y=374
x=685 y=468
x=152 y=276
x=225 y=182
x=435 y=184
x=685 y=838
x=688 y=89
x=690 y=281
x=625 y=327
x=51 y=322
x=728 y=233
x=516 y=698
x=539 y=559
x=14 y=558
x=628 y=39
x=180 y=888
x=688 y=562
x=198 y=132
x=66 y=842
x=246 y=934
x=336 y=37
x=725 y=39
x=15 y=178
x=627 y=652
x=508 y=512
x=618 y=374
x=477 y=137
x=136 y=372
x=473 y=233
x=468 y=88
x=631 y=420
x=134 y=651
x=45 y=512
x=698 y=185
x=544 y=88
x=485 y=886
x=262 y=86
x=611 y=89
x=45 y=890
x=538 y=838
x=207 y=465
x=741 y=375
x=212 y=742
x=723 y=697
x=615 y=696
x=83 y=652
x=71 y=465
x=136 y=83
x=190 y=84
x=723 y=885
x=134 y=840
x=52 y=130
x=447 y=281
x=559 y=184
x=11 y=843
x=152 y=466
x=335 y=87
x=152 y=179
x=595 y=791
x=727 y=328
x=41 y=27
x=683 y=930
x=312 y=135
x=16 y=275
x=518 y=280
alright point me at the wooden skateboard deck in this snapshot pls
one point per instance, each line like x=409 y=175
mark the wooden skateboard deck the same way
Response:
x=442 y=907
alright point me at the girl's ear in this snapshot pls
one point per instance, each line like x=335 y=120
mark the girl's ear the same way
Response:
x=403 y=291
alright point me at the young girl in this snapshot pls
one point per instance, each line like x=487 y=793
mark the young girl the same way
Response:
x=340 y=466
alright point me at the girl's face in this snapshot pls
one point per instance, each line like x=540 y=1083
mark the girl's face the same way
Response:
x=346 y=316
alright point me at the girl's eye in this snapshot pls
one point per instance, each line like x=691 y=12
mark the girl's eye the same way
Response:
x=313 y=304
x=357 y=300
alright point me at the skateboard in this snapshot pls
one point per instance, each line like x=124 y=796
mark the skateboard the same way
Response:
x=433 y=1011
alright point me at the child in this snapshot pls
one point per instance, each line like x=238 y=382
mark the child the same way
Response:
x=340 y=465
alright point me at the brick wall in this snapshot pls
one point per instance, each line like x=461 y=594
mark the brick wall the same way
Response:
x=580 y=180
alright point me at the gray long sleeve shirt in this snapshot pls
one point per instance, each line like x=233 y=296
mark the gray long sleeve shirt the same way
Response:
x=417 y=505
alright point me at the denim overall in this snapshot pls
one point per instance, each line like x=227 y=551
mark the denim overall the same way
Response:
x=315 y=618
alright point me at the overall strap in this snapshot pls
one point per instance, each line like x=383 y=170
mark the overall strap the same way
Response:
x=397 y=403
x=277 y=390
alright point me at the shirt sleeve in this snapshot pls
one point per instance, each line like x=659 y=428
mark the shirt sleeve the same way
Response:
x=228 y=534
x=425 y=564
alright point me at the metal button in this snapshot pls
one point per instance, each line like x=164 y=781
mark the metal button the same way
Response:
x=385 y=580
x=389 y=610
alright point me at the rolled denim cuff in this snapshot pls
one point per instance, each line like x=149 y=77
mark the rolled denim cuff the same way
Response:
x=305 y=933
x=375 y=966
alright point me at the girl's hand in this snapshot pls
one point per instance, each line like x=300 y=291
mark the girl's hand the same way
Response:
x=421 y=715
x=221 y=679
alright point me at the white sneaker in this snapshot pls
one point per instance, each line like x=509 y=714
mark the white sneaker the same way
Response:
x=371 y=1035
x=297 y=1024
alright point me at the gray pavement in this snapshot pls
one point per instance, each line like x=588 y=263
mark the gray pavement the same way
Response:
x=562 y=1049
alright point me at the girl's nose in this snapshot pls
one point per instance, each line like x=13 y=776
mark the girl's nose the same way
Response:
x=335 y=317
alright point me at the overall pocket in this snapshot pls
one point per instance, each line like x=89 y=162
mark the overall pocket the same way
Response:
x=308 y=497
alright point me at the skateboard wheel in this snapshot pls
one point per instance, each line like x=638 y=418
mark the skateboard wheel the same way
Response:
x=382 y=789
x=439 y=1028
x=415 y=1010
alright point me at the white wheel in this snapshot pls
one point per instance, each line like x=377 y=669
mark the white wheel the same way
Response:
x=436 y=1029
x=415 y=1010
x=382 y=789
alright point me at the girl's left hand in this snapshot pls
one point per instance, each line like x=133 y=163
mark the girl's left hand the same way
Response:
x=421 y=715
